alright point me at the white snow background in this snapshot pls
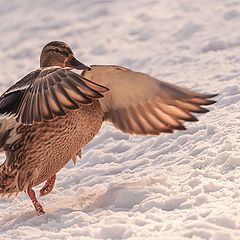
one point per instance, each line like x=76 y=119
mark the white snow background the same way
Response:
x=184 y=185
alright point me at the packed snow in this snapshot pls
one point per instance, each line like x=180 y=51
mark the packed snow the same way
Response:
x=184 y=185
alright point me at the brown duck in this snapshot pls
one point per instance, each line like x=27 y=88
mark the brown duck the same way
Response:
x=53 y=112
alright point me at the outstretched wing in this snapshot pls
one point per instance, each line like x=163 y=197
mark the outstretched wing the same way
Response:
x=47 y=93
x=140 y=104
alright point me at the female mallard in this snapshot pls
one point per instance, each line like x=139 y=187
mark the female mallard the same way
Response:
x=53 y=112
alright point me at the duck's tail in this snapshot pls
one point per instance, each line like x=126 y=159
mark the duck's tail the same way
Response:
x=8 y=136
x=14 y=180
x=7 y=183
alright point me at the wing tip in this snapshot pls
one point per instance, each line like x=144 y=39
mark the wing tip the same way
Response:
x=180 y=127
x=211 y=95
x=200 y=110
x=210 y=102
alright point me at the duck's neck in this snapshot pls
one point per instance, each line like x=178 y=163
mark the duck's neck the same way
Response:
x=49 y=62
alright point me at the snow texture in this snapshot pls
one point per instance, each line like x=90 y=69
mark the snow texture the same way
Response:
x=184 y=185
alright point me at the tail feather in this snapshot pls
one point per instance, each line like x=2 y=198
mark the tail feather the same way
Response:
x=7 y=182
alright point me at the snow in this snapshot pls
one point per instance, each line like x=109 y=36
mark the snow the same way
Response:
x=184 y=185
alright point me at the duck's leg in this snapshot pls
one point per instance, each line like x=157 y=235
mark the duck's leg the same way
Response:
x=35 y=202
x=48 y=186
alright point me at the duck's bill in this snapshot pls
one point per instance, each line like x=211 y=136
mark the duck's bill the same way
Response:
x=74 y=63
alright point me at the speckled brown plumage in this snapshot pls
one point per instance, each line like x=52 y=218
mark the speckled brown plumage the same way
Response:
x=44 y=148
x=53 y=112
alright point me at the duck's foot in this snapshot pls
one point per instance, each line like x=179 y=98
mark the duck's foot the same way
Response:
x=48 y=186
x=35 y=202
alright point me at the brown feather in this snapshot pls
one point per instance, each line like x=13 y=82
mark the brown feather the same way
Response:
x=138 y=103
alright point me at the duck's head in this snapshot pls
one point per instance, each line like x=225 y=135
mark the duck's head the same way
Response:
x=58 y=53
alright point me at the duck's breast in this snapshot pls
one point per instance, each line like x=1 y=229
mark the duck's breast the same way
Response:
x=46 y=147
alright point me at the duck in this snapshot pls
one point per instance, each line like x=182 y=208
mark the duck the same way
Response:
x=49 y=115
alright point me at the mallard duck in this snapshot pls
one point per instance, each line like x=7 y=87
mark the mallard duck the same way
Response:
x=53 y=112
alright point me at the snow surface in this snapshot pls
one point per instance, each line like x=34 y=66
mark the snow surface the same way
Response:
x=184 y=185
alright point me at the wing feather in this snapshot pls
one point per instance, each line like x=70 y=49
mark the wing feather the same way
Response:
x=48 y=93
x=137 y=103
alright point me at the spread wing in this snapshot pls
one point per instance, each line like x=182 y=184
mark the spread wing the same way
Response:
x=140 y=104
x=47 y=93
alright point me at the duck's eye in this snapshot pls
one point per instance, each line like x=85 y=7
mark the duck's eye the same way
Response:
x=65 y=53
x=56 y=50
